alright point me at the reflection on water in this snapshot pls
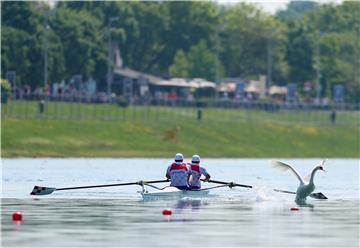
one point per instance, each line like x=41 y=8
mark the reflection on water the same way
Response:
x=192 y=204
x=118 y=217
x=211 y=222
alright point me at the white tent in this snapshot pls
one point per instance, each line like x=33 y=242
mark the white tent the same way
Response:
x=252 y=89
x=278 y=90
x=202 y=83
x=181 y=82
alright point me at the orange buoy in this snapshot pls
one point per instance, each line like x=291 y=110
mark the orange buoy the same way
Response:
x=167 y=212
x=294 y=209
x=17 y=216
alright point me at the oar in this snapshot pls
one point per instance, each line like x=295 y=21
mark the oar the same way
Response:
x=319 y=195
x=230 y=184
x=39 y=190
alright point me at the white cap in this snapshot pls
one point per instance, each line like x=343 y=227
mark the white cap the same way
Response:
x=195 y=159
x=179 y=157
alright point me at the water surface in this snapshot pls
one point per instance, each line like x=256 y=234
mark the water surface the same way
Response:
x=118 y=217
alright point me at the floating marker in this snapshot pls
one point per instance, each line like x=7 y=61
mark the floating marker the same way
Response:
x=294 y=209
x=167 y=212
x=17 y=216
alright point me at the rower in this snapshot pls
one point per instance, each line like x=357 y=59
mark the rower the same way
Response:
x=195 y=173
x=178 y=172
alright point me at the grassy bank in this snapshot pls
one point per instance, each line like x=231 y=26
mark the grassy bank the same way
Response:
x=91 y=138
x=257 y=113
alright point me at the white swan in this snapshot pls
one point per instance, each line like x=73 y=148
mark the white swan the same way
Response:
x=304 y=189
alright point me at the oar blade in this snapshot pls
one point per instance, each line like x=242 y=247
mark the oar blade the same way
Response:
x=319 y=196
x=39 y=190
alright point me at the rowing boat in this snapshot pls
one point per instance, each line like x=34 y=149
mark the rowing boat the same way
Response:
x=174 y=193
x=166 y=192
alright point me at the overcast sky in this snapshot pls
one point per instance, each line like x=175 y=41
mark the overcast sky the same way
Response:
x=272 y=6
x=269 y=5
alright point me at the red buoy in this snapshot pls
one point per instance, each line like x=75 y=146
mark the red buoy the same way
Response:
x=294 y=209
x=167 y=212
x=17 y=216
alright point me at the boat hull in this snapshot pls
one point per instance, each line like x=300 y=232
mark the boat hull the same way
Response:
x=174 y=193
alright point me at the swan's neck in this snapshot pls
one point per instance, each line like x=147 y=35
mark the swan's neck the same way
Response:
x=312 y=176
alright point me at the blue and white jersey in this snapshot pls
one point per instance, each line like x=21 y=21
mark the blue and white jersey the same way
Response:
x=179 y=174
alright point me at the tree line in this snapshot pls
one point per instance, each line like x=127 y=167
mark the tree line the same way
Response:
x=305 y=42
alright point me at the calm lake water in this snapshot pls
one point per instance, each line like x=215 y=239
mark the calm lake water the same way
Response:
x=118 y=217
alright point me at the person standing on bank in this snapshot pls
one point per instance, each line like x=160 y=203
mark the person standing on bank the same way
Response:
x=178 y=172
x=195 y=173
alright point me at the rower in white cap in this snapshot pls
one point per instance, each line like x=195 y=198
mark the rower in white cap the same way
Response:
x=178 y=172
x=195 y=173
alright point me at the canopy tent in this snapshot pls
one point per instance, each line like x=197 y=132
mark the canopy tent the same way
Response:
x=202 y=83
x=175 y=82
x=227 y=87
x=252 y=89
x=132 y=74
x=277 y=90
x=181 y=82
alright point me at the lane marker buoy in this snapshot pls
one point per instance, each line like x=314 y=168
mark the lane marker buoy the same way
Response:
x=167 y=212
x=17 y=216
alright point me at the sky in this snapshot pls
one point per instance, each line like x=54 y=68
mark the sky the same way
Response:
x=270 y=6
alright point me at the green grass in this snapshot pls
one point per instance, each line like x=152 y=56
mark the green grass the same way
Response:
x=84 y=111
x=168 y=133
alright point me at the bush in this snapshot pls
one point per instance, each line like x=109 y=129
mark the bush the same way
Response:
x=122 y=102
x=5 y=90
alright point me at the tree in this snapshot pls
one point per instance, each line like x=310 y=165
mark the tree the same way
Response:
x=247 y=36
x=145 y=25
x=22 y=15
x=340 y=62
x=20 y=30
x=198 y=63
x=328 y=33
x=82 y=43
x=186 y=39
x=296 y=10
x=202 y=61
x=300 y=53
x=14 y=54
x=190 y=22
x=180 y=67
